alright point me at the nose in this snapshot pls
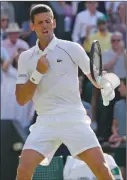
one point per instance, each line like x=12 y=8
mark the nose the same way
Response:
x=44 y=25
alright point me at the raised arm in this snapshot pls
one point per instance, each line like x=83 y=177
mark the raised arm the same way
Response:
x=26 y=86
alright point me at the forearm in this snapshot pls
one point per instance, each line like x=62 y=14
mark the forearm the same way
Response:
x=93 y=82
x=114 y=127
x=6 y=64
x=25 y=92
x=114 y=130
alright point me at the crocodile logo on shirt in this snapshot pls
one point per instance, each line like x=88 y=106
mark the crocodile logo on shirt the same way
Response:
x=59 y=60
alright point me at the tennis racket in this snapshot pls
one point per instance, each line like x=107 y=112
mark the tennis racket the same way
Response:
x=95 y=61
x=96 y=68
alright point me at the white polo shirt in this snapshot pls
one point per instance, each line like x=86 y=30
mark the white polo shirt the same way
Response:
x=58 y=91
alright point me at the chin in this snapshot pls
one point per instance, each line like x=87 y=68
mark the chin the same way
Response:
x=47 y=36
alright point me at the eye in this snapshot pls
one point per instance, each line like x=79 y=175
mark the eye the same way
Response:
x=40 y=22
x=48 y=21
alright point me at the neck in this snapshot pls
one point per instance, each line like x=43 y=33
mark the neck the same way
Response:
x=43 y=43
x=13 y=42
x=115 y=49
x=92 y=12
x=103 y=33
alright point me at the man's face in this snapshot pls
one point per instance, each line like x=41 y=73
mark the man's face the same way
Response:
x=13 y=36
x=92 y=6
x=4 y=22
x=116 y=41
x=43 y=25
x=102 y=27
x=122 y=89
x=122 y=10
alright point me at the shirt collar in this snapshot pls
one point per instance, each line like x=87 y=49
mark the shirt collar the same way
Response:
x=51 y=45
x=100 y=35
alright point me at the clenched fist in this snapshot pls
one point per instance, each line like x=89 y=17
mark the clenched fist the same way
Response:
x=42 y=65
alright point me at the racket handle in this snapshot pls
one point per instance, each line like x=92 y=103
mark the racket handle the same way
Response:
x=105 y=101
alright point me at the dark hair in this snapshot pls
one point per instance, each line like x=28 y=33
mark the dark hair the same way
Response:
x=40 y=8
x=123 y=80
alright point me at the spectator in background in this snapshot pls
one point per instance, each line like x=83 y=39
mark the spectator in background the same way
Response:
x=6 y=63
x=10 y=109
x=68 y=18
x=4 y=55
x=86 y=20
x=112 y=19
x=27 y=34
x=23 y=114
x=102 y=35
x=12 y=43
x=121 y=26
x=8 y=9
x=3 y=25
x=118 y=137
x=4 y=59
x=117 y=20
x=75 y=7
x=114 y=59
x=109 y=5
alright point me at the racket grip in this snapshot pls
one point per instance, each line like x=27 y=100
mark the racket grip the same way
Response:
x=105 y=101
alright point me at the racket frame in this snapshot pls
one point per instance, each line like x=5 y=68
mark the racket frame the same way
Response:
x=95 y=42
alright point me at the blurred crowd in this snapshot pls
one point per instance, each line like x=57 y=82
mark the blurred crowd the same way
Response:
x=81 y=22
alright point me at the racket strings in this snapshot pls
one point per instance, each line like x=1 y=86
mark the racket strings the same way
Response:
x=96 y=57
x=96 y=60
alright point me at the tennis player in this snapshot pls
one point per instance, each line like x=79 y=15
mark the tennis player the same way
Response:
x=48 y=75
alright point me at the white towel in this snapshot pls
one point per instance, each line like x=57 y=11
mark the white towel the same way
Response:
x=108 y=82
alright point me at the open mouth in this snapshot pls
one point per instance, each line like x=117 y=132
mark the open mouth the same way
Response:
x=45 y=32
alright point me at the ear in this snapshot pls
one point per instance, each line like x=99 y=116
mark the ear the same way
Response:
x=32 y=26
x=54 y=23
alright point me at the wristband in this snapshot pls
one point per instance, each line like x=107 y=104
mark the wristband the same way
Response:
x=36 y=77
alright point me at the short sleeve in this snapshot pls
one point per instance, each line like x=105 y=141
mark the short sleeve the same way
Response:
x=81 y=58
x=22 y=76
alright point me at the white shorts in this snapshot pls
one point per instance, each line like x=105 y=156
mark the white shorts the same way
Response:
x=71 y=129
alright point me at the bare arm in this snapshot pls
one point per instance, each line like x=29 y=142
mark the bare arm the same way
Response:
x=92 y=81
x=6 y=64
x=114 y=127
x=25 y=92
